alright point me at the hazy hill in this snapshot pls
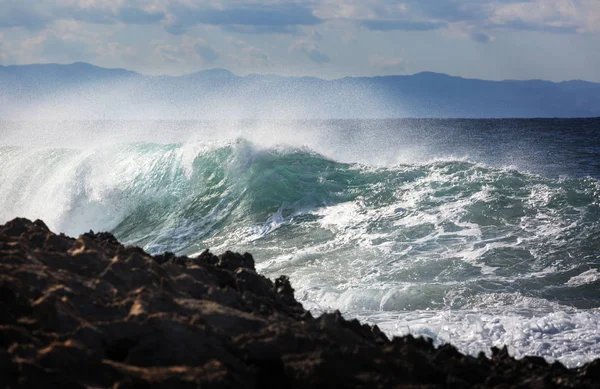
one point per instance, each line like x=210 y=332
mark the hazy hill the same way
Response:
x=82 y=90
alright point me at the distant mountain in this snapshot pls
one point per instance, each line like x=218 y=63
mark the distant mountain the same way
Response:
x=55 y=74
x=81 y=91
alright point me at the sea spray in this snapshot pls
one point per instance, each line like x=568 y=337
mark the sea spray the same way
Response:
x=469 y=251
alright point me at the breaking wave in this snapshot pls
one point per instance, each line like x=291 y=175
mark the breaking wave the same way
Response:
x=462 y=252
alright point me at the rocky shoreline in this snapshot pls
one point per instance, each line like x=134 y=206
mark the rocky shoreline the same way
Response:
x=92 y=313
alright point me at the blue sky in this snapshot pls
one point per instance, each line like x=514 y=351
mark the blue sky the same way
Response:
x=501 y=39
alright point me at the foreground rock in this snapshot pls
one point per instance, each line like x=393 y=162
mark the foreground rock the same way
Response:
x=91 y=313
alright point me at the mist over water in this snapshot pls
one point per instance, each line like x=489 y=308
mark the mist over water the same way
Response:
x=475 y=232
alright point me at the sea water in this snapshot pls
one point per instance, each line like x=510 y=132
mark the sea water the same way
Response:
x=477 y=233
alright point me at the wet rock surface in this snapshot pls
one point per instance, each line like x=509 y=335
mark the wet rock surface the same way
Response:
x=92 y=313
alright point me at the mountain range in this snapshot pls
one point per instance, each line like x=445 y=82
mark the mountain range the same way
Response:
x=84 y=91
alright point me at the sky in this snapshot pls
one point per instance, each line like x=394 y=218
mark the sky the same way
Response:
x=489 y=39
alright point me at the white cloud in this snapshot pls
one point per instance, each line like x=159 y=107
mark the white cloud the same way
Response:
x=62 y=41
x=115 y=49
x=359 y=9
x=580 y=16
x=310 y=49
x=188 y=49
x=309 y=46
x=462 y=30
x=248 y=56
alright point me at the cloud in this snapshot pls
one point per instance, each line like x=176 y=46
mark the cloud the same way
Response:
x=64 y=41
x=557 y=16
x=207 y=53
x=311 y=50
x=14 y=13
x=249 y=56
x=254 y=57
x=359 y=9
x=92 y=15
x=480 y=37
x=115 y=49
x=115 y=33
x=167 y=53
x=451 y=11
x=478 y=17
x=309 y=46
x=275 y=17
x=194 y=49
x=242 y=29
x=379 y=15
x=131 y=15
x=404 y=25
x=387 y=63
x=284 y=17
x=467 y=31
x=61 y=50
x=522 y=25
x=35 y=15
x=56 y=48
x=316 y=56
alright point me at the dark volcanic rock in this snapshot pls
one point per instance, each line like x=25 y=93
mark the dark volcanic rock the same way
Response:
x=91 y=313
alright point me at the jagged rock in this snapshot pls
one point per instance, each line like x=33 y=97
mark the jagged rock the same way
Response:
x=92 y=313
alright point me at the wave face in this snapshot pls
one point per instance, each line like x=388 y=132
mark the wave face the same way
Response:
x=462 y=252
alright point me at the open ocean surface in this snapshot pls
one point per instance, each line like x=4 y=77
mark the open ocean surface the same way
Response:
x=479 y=233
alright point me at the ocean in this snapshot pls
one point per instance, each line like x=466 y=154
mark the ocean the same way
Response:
x=477 y=233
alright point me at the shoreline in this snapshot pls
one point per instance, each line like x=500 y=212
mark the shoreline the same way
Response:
x=90 y=312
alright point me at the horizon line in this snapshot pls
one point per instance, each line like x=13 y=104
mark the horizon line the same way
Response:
x=284 y=76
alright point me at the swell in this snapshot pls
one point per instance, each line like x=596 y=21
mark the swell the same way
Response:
x=418 y=246
x=162 y=186
x=190 y=195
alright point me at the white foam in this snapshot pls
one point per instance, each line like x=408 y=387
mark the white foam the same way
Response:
x=571 y=337
x=587 y=277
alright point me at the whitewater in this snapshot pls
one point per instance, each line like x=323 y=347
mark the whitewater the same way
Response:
x=476 y=233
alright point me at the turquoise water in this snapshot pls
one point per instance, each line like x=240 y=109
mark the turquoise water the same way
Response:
x=477 y=233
